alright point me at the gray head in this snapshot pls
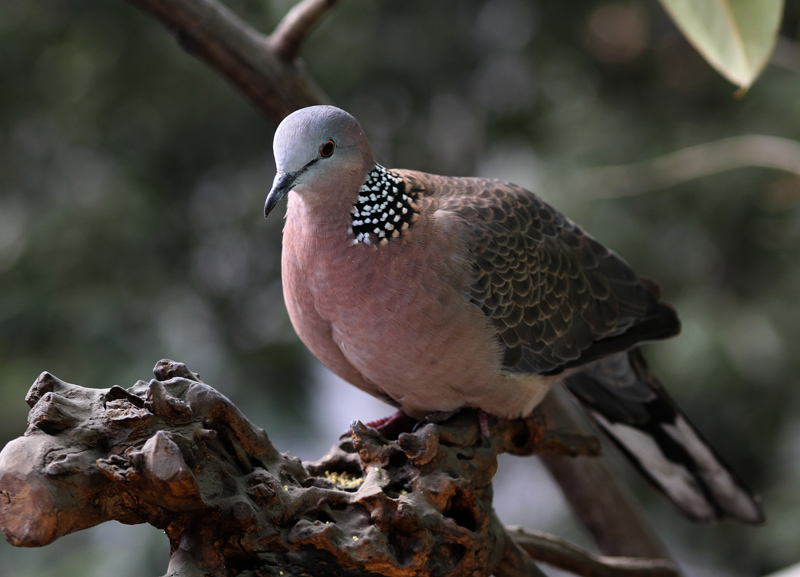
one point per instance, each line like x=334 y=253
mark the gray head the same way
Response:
x=317 y=146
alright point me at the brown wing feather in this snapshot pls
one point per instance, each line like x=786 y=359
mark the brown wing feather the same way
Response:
x=557 y=297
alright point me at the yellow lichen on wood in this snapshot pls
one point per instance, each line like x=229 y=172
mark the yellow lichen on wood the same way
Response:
x=343 y=479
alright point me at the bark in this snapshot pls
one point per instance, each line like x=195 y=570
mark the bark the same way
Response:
x=175 y=453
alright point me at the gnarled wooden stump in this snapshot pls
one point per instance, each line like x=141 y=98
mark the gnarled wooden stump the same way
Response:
x=180 y=456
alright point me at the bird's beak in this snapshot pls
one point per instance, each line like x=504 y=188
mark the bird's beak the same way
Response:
x=283 y=183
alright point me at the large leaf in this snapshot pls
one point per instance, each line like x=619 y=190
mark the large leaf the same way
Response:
x=735 y=36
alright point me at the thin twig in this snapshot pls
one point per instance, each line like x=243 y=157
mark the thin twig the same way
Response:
x=214 y=34
x=296 y=26
x=562 y=554
x=515 y=562
x=688 y=164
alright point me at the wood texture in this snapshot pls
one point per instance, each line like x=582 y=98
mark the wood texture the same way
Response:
x=175 y=453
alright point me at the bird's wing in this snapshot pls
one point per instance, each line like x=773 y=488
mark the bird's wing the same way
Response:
x=557 y=297
x=626 y=401
x=560 y=299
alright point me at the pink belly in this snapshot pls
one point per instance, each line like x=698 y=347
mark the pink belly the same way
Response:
x=399 y=318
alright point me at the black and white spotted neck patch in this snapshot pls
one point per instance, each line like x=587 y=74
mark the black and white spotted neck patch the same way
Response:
x=384 y=209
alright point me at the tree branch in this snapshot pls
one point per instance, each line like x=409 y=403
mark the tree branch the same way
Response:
x=601 y=503
x=564 y=555
x=289 y=35
x=516 y=562
x=217 y=36
x=178 y=455
x=688 y=164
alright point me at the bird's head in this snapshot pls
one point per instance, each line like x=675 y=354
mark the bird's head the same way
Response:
x=318 y=150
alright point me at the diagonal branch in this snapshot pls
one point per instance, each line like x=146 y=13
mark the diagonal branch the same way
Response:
x=516 y=562
x=298 y=23
x=558 y=553
x=597 y=497
x=218 y=37
x=687 y=164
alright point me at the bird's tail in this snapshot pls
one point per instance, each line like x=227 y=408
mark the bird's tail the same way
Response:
x=628 y=403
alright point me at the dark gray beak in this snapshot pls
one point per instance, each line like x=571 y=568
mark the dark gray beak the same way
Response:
x=283 y=183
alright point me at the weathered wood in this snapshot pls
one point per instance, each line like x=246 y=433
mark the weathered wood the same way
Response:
x=175 y=453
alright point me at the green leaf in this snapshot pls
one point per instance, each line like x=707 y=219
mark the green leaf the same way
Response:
x=735 y=36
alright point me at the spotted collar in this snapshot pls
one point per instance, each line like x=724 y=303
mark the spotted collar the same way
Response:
x=385 y=208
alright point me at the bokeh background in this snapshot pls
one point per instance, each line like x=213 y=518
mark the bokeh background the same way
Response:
x=132 y=181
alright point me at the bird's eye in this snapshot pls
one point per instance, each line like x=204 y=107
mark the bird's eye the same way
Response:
x=327 y=149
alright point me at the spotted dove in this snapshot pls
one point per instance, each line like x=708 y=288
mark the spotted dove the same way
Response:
x=436 y=293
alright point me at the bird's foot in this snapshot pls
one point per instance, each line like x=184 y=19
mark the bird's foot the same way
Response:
x=438 y=417
x=393 y=425
x=483 y=421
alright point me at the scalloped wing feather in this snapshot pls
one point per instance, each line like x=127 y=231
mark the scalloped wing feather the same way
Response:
x=556 y=297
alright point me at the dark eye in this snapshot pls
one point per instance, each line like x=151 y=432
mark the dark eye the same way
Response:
x=327 y=149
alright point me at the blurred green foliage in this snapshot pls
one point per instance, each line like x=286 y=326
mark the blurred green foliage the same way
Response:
x=132 y=181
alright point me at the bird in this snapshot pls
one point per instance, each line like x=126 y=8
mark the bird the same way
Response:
x=437 y=293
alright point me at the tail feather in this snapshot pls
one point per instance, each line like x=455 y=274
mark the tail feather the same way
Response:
x=629 y=404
